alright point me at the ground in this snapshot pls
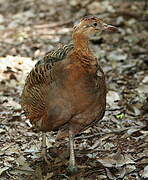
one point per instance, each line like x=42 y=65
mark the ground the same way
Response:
x=116 y=147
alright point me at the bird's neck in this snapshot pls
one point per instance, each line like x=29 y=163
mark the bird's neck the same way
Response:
x=82 y=52
x=82 y=45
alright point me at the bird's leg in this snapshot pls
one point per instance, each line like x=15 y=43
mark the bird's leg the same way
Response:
x=72 y=165
x=43 y=146
x=44 y=149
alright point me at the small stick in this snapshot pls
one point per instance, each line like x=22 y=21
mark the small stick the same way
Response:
x=53 y=25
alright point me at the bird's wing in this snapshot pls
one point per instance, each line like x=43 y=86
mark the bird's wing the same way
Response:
x=35 y=92
x=42 y=71
x=56 y=55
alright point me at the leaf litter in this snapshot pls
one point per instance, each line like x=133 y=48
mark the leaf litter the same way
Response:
x=114 y=148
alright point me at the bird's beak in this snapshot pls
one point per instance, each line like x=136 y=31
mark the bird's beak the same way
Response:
x=109 y=28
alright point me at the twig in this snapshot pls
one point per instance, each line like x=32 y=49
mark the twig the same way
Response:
x=113 y=132
x=24 y=170
x=12 y=177
x=127 y=13
x=53 y=25
x=52 y=34
x=115 y=109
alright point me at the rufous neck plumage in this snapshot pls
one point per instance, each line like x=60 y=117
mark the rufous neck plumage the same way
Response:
x=82 y=44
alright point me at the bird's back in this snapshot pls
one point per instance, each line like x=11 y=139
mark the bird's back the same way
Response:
x=39 y=82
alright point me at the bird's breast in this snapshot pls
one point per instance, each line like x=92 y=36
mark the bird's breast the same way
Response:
x=83 y=88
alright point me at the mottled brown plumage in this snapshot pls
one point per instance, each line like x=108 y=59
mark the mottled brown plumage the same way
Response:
x=66 y=90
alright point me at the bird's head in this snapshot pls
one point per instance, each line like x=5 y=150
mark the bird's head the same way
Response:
x=91 y=25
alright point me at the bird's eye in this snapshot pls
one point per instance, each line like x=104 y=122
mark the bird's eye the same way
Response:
x=95 y=24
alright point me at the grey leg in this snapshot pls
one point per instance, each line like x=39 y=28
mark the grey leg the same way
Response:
x=44 y=149
x=43 y=152
x=72 y=165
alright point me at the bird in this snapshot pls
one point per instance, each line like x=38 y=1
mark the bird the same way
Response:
x=66 y=89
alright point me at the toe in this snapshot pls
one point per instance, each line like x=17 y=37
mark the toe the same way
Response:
x=72 y=169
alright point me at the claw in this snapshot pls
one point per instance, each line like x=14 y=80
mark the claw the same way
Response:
x=72 y=169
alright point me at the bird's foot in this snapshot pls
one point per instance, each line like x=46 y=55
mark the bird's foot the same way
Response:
x=45 y=156
x=72 y=169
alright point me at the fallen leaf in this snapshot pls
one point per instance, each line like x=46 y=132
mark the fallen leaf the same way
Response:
x=3 y=169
